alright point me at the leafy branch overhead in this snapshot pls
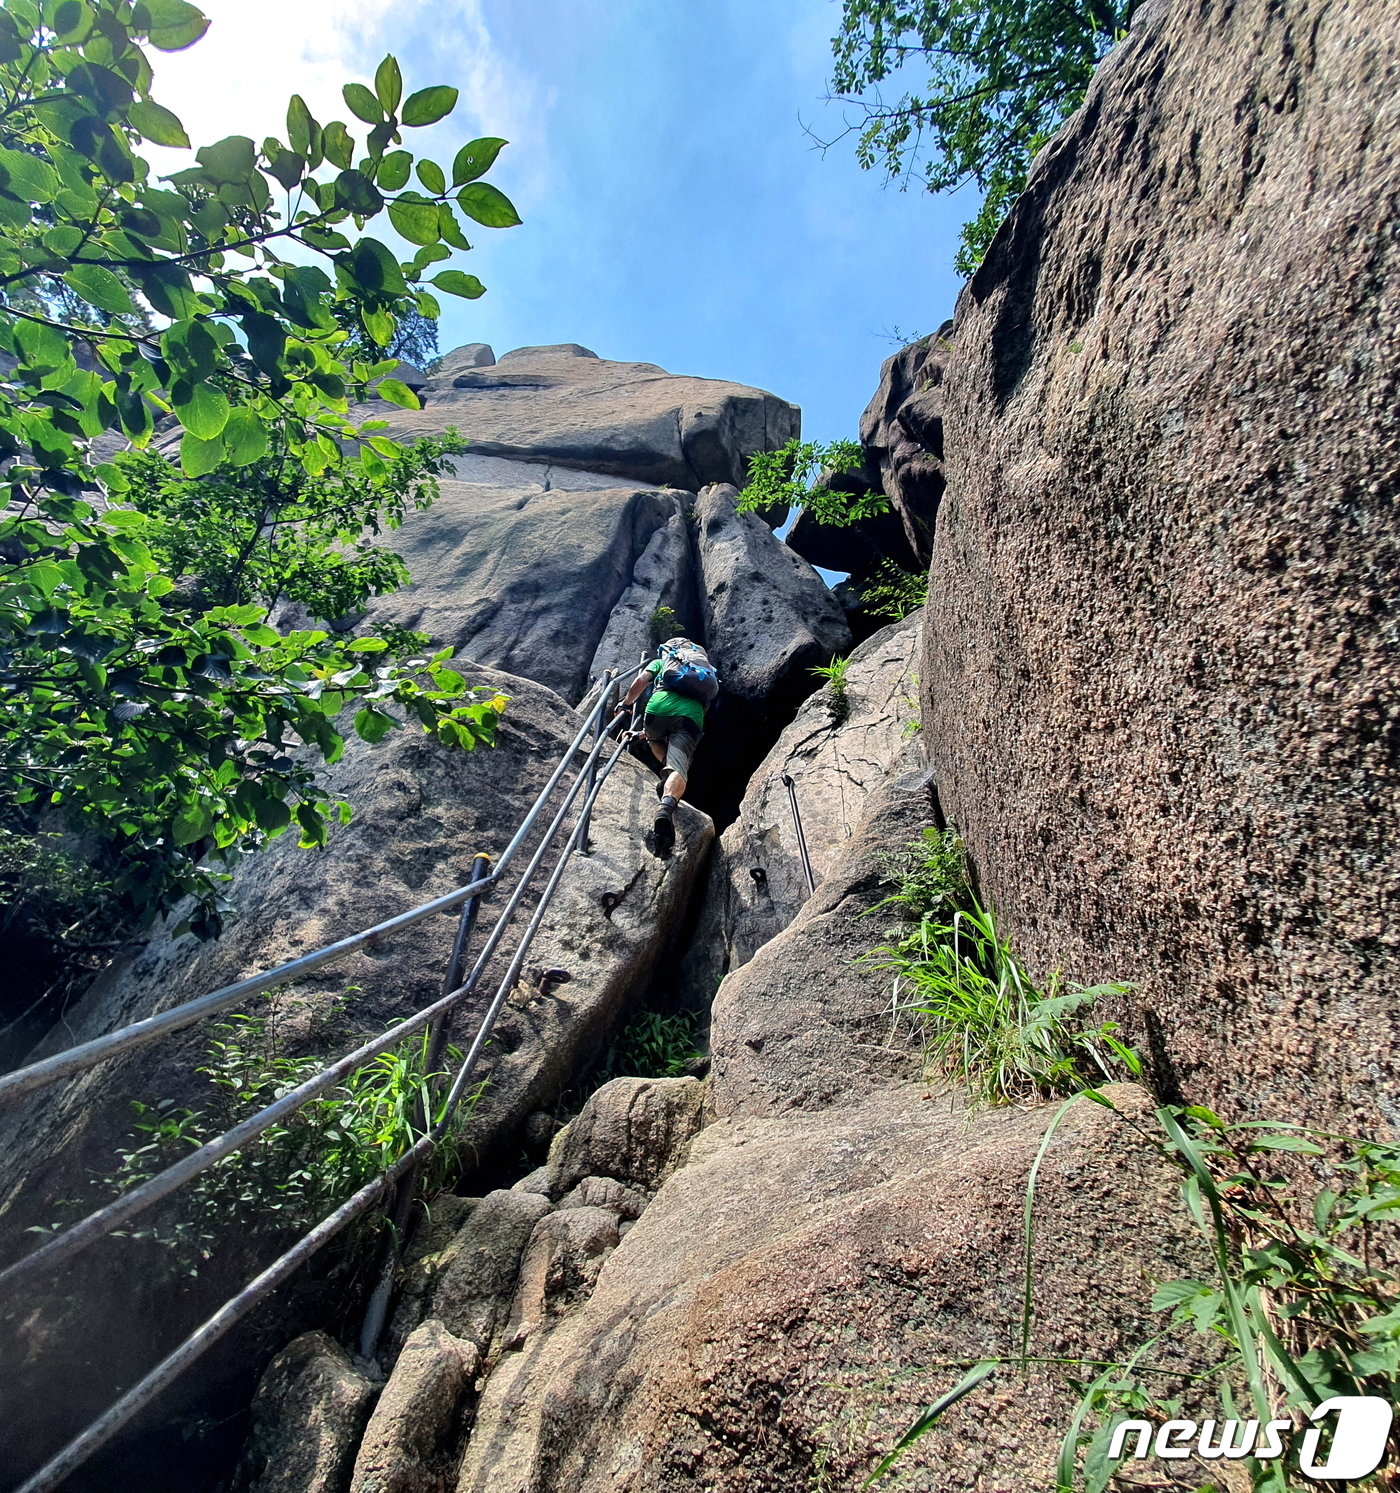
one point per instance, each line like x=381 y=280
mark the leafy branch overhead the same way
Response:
x=983 y=86
x=143 y=693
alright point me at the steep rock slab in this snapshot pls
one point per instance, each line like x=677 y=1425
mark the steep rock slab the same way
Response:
x=663 y=582
x=901 y=432
x=837 y=755
x=1162 y=664
x=522 y=574
x=630 y=420
x=422 y=812
x=768 y=619
x=758 y=1326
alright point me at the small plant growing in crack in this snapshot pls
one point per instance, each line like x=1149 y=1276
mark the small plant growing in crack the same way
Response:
x=837 y=698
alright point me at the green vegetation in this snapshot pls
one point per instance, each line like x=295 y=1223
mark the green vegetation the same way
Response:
x=988 y=82
x=834 y=674
x=894 y=592
x=664 y=624
x=1300 y=1223
x=294 y=1174
x=654 y=1046
x=984 y=1023
x=150 y=707
x=786 y=478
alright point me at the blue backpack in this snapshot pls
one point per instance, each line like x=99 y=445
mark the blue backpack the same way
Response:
x=686 y=670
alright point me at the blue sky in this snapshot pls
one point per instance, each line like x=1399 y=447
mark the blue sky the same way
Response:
x=675 y=210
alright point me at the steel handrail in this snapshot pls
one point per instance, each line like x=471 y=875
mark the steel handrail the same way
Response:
x=58 y=1467
x=138 y=1033
x=123 y=1209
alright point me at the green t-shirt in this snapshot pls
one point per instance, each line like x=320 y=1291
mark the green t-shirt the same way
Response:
x=668 y=702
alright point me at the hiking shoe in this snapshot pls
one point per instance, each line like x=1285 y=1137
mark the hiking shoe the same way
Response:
x=663 y=835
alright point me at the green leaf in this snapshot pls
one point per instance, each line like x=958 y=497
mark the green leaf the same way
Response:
x=362 y=103
x=229 y=161
x=287 y=166
x=430 y=174
x=394 y=170
x=388 y=84
x=356 y=193
x=100 y=287
x=488 y=205
x=192 y=824
x=301 y=127
x=169 y=25
x=456 y=282
x=416 y=221
x=27 y=177
x=429 y=105
x=1294 y=1143
x=156 y=123
x=373 y=725
x=202 y=409
x=366 y=645
x=198 y=458
x=475 y=159
x=337 y=144
x=245 y=436
x=373 y=269
x=397 y=392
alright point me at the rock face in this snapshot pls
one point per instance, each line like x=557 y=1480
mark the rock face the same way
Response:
x=768 y=619
x=521 y=567
x=568 y=407
x=1162 y=658
x=837 y=750
x=764 y=1323
x=901 y=432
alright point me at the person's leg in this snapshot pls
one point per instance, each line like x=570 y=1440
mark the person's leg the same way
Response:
x=680 y=748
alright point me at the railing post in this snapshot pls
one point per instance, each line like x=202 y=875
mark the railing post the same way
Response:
x=401 y=1210
x=801 y=838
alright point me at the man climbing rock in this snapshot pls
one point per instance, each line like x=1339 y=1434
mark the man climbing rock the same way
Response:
x=686 y=685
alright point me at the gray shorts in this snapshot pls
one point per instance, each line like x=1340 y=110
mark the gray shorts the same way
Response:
x=679 y=735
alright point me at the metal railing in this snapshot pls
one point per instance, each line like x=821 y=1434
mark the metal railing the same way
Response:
x=588 y=783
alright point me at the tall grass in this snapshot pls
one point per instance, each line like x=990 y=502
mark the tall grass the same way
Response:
x=985 y=1025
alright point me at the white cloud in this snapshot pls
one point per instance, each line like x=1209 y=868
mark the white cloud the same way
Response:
x=257 y=53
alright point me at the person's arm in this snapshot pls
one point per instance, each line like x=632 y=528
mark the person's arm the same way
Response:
x=630 y=698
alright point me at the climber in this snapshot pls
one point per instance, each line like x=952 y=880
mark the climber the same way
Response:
x=686 y=686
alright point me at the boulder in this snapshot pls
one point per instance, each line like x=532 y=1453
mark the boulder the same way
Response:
x=838 y=750
x=606 y=1192
x=901 y=433
x=566 y=406
x=523 y=576
x=768 y=618
x=410 y=1444
x=308 y=1415
x=473 y=1290
x=459 y=360
x=634 y=1130
x=560 y=1268
x=1162 y=672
